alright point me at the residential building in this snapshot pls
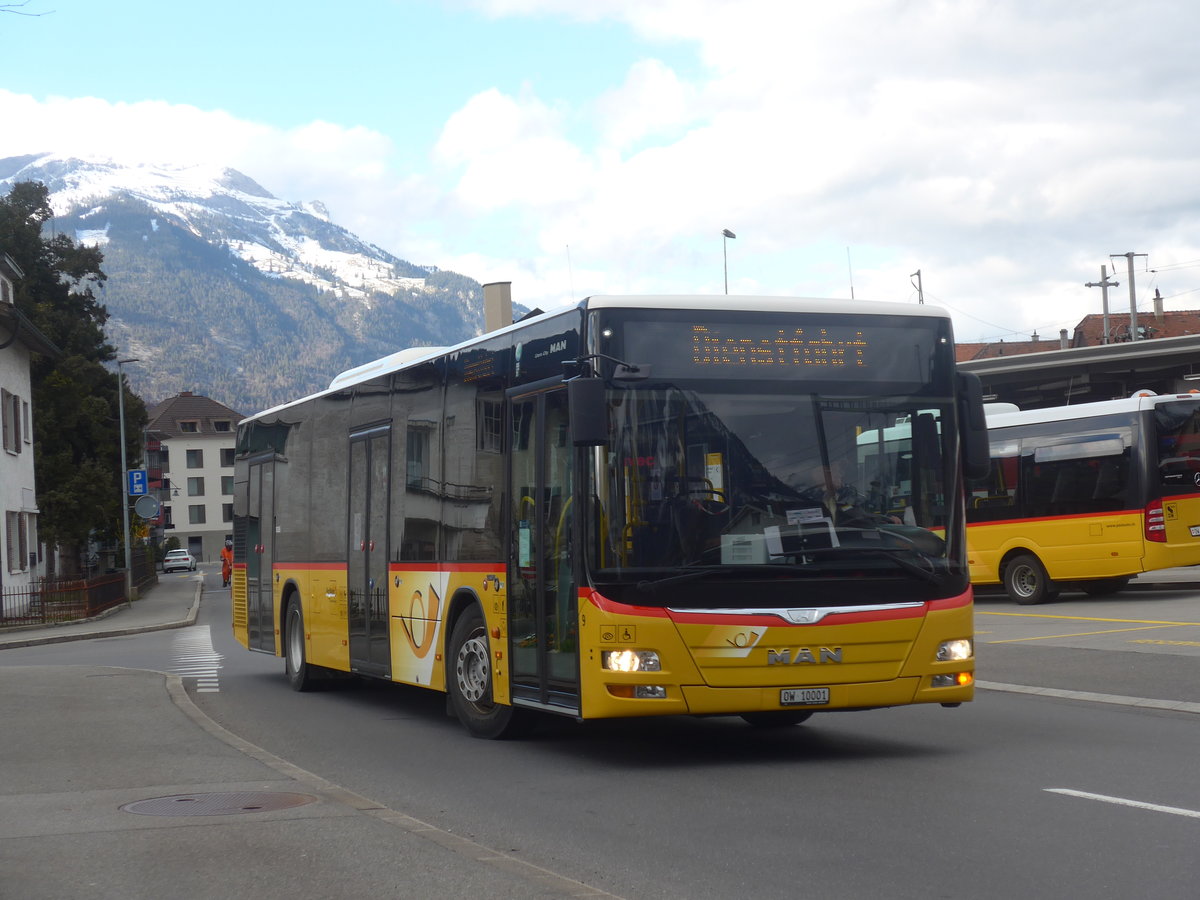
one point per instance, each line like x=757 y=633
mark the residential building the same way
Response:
x=22 y=557
x=189 y=456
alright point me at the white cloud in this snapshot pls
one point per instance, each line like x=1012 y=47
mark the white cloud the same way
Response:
x=1004 y=149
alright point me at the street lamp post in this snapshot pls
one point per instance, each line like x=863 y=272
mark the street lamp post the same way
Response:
x=124 y=481
x=725 y=236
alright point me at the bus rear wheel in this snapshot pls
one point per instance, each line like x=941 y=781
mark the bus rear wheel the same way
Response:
x=1026 y=581
x=301 y=676
x=469 y=681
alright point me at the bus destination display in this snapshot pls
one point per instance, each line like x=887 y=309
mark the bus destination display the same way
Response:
x=744 y=345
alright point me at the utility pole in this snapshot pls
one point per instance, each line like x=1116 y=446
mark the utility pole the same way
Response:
x=1133 y=326
x=920 y=290
x=1104 y=284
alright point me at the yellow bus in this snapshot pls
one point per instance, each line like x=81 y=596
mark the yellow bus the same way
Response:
x=1087 y=496
x=610 y=511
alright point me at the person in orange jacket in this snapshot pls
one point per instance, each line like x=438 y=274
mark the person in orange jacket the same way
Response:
x=227 y=564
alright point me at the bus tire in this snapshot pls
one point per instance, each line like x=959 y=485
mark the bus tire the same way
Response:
x=1026 y=581
x=301 y=676
x=1102 y=587
x=469 y=682
x=772 y=719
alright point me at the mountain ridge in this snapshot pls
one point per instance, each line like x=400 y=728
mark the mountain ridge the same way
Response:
x=218 y=287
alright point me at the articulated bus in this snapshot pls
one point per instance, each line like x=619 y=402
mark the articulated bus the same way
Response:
x=610 y=511
x=1087 y=496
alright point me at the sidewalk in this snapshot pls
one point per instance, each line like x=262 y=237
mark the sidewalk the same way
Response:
x=172 y=603
x=114 y=785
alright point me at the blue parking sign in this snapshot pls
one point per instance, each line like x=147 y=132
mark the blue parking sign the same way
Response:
x=137 y=482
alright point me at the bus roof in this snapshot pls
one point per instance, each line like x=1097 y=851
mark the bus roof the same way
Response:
x=761 y=304
x=1139 y=401
x=402 y=359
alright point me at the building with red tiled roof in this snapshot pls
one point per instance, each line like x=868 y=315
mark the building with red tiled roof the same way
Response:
x=1090 y=332
x=190 y=443
x=1159 y=324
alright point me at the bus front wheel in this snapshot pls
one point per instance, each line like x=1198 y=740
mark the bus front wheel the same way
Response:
x=469 y=681
x=1026 y=581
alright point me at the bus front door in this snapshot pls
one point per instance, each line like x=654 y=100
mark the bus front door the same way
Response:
x=542 y=594
x=260 y=543
x=366 y=576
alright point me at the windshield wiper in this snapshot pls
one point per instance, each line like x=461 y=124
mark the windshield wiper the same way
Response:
x=700 y=571
x=899 y=555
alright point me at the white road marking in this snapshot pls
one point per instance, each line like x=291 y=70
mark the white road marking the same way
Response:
x=193 y=656
x=1120 y=801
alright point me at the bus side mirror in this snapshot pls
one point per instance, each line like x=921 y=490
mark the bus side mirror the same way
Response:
x=588 y=411
x=973 y=426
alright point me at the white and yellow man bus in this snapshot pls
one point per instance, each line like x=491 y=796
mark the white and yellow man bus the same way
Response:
x=604 y=512
x=1087 y=496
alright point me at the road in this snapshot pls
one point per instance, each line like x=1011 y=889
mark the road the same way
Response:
x=1014 y=795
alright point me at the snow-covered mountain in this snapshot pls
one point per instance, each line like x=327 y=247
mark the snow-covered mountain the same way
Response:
x=220 y=288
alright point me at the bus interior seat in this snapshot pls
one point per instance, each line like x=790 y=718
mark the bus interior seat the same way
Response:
x=1108 y=480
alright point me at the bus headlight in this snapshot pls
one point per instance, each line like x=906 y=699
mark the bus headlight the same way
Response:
x=949 y=651
x=630 y=661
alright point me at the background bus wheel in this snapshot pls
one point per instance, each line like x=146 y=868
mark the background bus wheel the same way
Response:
x=1102 y=587
x=1026 y=581
x=300 y=674
x=469 y=681
x=781 y=719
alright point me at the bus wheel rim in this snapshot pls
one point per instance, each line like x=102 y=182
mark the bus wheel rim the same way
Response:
x=472 y=668
x=1025 y=581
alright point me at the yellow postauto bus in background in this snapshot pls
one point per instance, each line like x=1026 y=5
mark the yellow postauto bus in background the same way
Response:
x=1088 y=495
x=609 y=510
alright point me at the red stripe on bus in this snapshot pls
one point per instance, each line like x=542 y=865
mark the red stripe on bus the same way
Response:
x=847 y=617
x=445 y=567
x=1095 y=515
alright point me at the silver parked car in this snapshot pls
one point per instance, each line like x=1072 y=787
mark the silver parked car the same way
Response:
x=179 y=559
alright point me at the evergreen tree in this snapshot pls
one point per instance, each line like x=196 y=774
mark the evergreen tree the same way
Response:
x=77 y=454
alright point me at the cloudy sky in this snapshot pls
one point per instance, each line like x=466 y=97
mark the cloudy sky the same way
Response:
x=1005 y=149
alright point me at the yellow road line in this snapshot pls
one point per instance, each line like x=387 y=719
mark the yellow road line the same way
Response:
x=1050 y=637
x=979 y=612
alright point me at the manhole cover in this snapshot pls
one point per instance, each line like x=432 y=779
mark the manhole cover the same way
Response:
x=229 y=803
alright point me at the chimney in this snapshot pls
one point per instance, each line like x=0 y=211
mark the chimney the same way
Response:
x=1062 y=338
x=497 y=305
x=1034 y=337
x=1158 y=311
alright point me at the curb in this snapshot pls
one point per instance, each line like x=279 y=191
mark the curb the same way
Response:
x=188 y=619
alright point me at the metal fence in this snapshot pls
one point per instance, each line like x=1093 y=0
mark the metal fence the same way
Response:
x=47 y=602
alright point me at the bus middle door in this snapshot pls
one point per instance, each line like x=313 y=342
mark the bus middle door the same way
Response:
x=366 y=553
x=542 y=593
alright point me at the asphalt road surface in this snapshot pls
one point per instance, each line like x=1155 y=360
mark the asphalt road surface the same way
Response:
x=1014 y=795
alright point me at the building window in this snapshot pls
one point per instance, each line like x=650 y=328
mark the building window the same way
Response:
x=223 y=425
x=227 y=458
x=28 y=425
x=490 y=433
x=196 y=514
x=195 y=487
x=226 y=512
x=226 y=485
x=418 y=453
x=10 y=411
x=17 y=542
x=195 y=459
x=189 y=427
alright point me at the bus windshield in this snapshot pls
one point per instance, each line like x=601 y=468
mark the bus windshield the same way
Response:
x=758 y=480
x=1177 y=429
